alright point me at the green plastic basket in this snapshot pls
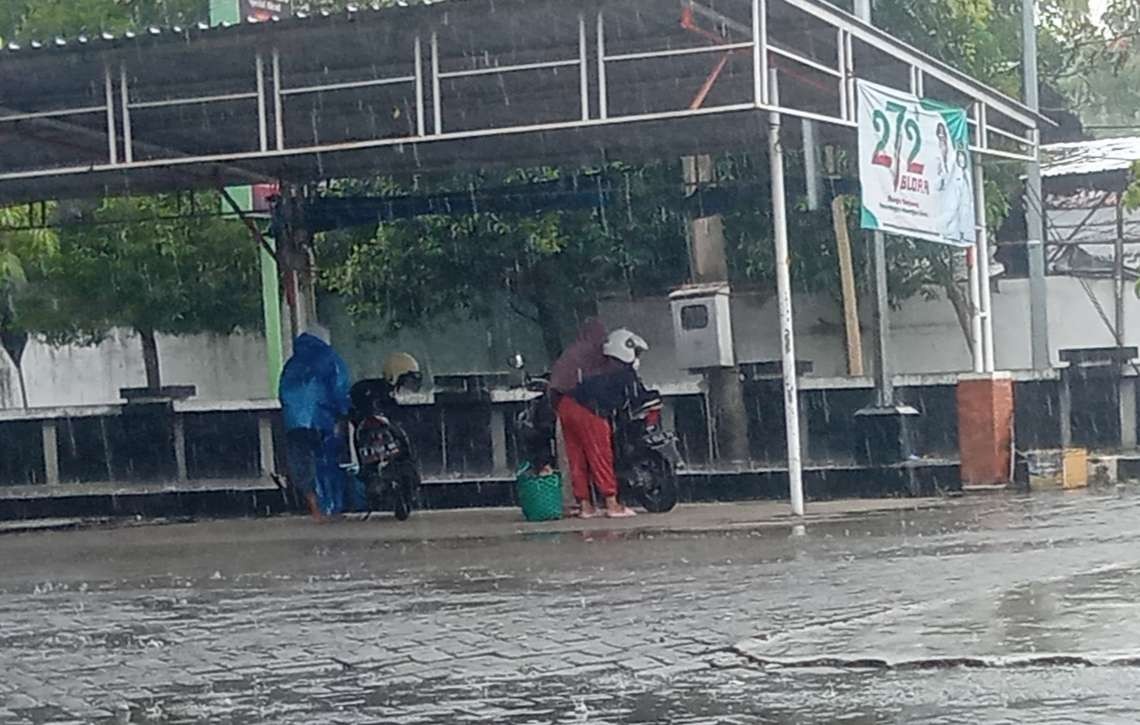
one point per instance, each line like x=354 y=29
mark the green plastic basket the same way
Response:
x=540 y=496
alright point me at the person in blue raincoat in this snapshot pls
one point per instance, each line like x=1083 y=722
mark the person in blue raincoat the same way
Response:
x=314 y=401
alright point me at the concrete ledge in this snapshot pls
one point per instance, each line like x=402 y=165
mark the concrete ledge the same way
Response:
x=153 y=488
x=261 y=497
x=492 y=523
x=122 y=488
x=70 y=411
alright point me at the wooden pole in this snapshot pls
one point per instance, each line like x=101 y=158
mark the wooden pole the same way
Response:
x=847 y=279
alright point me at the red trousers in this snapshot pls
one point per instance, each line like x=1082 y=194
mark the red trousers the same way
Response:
x=589 y=448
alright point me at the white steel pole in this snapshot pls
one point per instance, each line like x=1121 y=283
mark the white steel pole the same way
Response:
x=983 y=267
x=262 y=112
x=583 y=68
x=112 y=142
x=436 y=101
x=1034 y=211
x=603 y=89
x=278 y=108
x=421 y=122
x=760 y=51
x=784 y=297
x=975 y=310
x=125 y=99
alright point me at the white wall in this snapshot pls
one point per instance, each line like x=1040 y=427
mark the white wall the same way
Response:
x=222 y=367
x=925 y=335
x=926 y=338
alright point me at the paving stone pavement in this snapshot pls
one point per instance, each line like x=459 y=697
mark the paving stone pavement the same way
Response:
x=577 y=627
x=574 y=627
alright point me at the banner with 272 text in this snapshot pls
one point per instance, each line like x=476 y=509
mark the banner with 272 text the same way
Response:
x=914 y=167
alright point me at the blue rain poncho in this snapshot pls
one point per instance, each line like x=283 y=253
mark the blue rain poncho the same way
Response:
x=314 y=386
x=314 y=395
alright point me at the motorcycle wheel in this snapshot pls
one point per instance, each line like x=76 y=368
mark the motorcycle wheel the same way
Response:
x=405 y=487
x=655 y=486
x=403 y=506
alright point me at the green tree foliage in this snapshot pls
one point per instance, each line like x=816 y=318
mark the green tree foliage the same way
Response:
x=551 y=266
x=1132 y=200
x=132 y=262
x=25 y=252
x=40 y=19
x=1109 y=94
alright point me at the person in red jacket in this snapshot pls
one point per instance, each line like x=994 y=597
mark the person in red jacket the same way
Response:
x=586 y=412
x=582 y=359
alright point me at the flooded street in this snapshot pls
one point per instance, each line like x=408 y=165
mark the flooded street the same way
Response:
x=1001 y=609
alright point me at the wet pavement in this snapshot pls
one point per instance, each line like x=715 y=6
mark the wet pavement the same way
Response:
x=998 y=609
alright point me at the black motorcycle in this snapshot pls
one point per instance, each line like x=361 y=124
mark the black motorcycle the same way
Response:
x=382 y=452
x=646 y=456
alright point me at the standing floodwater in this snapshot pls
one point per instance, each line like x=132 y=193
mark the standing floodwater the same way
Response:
x=1004 y=609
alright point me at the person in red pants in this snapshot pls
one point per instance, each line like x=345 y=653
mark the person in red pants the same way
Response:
x=586 y=413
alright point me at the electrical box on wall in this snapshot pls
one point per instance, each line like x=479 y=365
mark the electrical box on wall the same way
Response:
x=702 y=326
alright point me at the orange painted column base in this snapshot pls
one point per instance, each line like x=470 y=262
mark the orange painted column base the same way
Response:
x=985 y=429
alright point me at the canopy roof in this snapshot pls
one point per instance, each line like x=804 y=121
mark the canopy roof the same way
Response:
x=449 y=86
x=1104 y=163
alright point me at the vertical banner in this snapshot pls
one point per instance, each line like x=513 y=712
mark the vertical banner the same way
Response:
x=914 y=167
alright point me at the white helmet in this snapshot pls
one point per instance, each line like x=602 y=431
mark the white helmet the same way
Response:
x=624 y=345
x=401 y=370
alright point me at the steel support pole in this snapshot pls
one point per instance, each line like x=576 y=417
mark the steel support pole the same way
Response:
x=262 y=111
x=1118 y=271
x=125 y=102
x=436 y=101
x=603 y=87
x=1035 y=205
x=813 y=177
x=884 y=377
x=112 y=131
x=983 y=259
x=784 y=297
x=760 y=51
x=278 y=103
x=421 y=122
x=583 y=68
x=975 y=311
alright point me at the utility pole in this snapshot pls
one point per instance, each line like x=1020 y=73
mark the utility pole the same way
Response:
x=1034 y=204
x=885 y=432
x=728 y=414
x=884 y=377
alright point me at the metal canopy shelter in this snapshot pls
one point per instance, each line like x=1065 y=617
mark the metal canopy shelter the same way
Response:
x=465 y=84
x=1092 y=233
x=439 y=87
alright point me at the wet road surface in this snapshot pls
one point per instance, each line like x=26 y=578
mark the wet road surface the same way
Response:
x=1000 y=609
